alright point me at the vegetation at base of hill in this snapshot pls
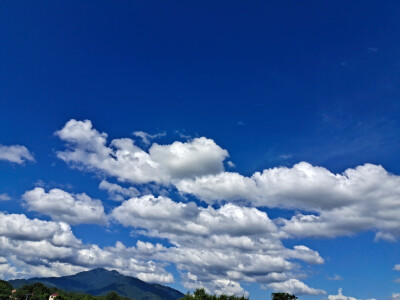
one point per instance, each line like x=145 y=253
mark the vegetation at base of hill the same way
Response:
x=200 y=294
x=283 y=296
x=5 y=289
x=39 y=291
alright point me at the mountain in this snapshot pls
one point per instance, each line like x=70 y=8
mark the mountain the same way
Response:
x=101 y=281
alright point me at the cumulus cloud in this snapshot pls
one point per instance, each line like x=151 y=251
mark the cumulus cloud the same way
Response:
x=4 y=197
x=363 y=198
x=117 y=192
x=294 y=286
x=232 y=243
x=359 y=199
x=66 y=207
x=124 y=160
x=16 y=153
x=340 y=296
x=167 y=216
x=19 y=227
x=301 y=187
x=32 y=247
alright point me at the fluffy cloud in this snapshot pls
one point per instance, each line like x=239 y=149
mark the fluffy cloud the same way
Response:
x=117 y=192
x=294 y=286
x=215 y=248
x=364 y=198
x=32 y=247
x=371 y=213
x=199 y=157
x=166 y=216
x=233 y=243
x=16 y=153
x=19 y=227
x=340 y=296
x=359 y=199
x=63 y=206
x=301 y=187
x=122 y=159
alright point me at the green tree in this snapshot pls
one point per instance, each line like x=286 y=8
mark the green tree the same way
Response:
x=201 y=294
x=112 y=296
x=283 y=296
x=36 y=291
x=5 y=289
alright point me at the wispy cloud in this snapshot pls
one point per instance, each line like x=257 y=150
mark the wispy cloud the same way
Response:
x=146 y=137
x=373 y=49
x=4 y=197
x=336 y=277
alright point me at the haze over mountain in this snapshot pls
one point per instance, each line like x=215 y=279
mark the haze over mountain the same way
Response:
x=101 y=281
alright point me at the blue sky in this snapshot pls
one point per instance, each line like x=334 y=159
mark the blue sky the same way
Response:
x=197 y=98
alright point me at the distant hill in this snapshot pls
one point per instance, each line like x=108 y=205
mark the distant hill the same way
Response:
x=101 y=281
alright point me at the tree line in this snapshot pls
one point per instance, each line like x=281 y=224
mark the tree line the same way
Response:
x=39 y=291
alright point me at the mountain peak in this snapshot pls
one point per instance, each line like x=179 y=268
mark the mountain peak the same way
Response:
x=100 y=281
x=99 y=270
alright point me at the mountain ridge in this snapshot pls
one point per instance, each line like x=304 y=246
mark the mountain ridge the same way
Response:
x=100 y=281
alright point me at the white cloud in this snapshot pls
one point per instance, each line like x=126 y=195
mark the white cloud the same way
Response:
x=230 y=164
x=395 y=296
x=335 y=277
x=228 y=287
x=32 y=247
x=6 y=269
x=146 y=137
x=167 y=216
x=199 y=157
x=340 y=296
x=384 y=236
x=155 y=277
x=230 y=238
x=359 y=199
x=231 y=243
x=66 y=207
x=16 y=153
x=19 y=227
x=294 y=286
x=397 y=267
x=301 y=187
x=117 y=192
x=124 y=160
x=364 y=198
x=4 y=197
x=305 y=254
